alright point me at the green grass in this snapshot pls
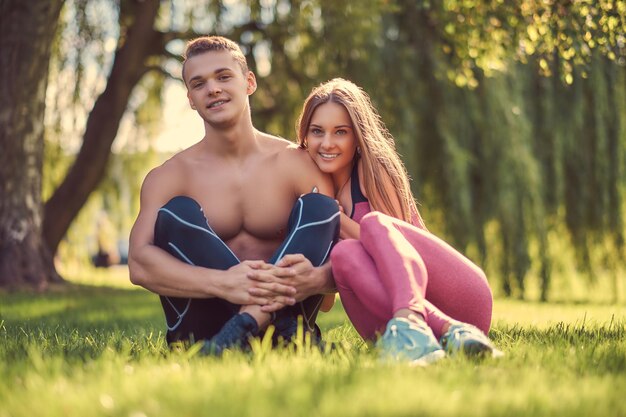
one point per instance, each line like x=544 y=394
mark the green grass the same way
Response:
x=98 y=350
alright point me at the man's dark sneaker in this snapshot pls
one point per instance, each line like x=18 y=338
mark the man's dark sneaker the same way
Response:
x=286 y=328
x=234 y=334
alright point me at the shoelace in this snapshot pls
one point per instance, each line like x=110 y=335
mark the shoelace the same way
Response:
x=406 y=340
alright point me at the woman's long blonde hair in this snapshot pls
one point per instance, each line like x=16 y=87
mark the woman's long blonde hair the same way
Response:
x=377 y=146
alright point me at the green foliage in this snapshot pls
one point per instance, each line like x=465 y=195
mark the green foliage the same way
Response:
x=88 y=350
x=498 y=144
x=81 y=59
x=508 y=114
x=486 y=35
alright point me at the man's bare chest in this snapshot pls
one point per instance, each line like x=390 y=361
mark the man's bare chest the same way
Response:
x=255 y=205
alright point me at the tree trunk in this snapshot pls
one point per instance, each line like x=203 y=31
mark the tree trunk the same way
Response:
x=26 y=33
x=129 y=66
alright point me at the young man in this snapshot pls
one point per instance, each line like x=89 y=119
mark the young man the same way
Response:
x=222 y=220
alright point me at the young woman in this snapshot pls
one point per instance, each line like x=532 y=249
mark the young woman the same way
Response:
x=391 y=273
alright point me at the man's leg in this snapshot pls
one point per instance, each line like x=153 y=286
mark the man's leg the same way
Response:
x=182 y=230
x=313 y=229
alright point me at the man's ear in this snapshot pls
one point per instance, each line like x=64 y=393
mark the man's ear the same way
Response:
x=193 y=106
x=251 y=83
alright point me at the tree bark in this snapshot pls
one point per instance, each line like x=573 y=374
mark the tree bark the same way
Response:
x=129 y=66
x=26 y=34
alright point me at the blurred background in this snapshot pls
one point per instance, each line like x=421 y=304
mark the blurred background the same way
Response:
x=510 y=118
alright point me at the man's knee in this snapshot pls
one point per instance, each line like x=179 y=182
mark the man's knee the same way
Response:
x=181 y=204
x=320 y=203
x=317 y=210
x=173 y=215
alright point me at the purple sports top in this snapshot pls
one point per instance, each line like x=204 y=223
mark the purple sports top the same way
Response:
x=361 y=205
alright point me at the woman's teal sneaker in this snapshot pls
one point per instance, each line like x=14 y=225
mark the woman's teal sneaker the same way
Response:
x=409 y=341
x=469 y=340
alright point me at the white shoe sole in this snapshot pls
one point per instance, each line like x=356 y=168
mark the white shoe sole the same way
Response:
x=429 y=359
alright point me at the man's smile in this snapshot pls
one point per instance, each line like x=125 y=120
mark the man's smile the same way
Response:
x=216 y=103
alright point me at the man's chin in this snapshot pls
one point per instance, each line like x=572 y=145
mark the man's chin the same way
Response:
x=224 y=124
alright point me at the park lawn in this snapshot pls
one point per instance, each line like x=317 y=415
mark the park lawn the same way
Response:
x=98 y=350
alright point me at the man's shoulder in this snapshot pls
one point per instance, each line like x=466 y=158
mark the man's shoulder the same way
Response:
x=275 y=143
x=282 y=149
x=169 y=170
x=293 y=159
x=299 y=157
x=288 y=151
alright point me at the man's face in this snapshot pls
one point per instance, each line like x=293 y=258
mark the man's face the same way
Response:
x=217 y=88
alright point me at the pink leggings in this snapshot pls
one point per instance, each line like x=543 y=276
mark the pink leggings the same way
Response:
x=395 y=266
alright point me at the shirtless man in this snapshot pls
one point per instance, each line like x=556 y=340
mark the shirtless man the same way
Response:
x=220 y=217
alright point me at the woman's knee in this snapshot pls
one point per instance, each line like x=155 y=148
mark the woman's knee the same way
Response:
x=344 y=256
x=372 y=219
x=374 y=225
x=483 y=284
x=483 y=300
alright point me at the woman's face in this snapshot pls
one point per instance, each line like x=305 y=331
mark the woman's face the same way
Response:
x=331 y=139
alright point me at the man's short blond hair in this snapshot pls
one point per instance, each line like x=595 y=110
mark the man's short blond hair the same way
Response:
x=205 y=44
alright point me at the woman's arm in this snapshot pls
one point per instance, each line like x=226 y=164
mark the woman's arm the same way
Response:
x=349 y=229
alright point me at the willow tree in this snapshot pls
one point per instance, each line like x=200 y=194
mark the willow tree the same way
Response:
x=26 y=35
x=509 y=130
x=138 y=41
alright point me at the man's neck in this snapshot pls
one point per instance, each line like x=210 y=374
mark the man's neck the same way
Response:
x=236 y=142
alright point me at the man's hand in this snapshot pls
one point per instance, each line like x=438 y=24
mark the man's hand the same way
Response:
x=293 y=275
x=235 y=287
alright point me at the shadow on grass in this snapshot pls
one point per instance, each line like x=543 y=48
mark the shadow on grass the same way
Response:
x=83 y=307
x=81 y=322
x=89 y=307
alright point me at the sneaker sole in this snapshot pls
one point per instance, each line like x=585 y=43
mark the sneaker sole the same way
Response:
x=428 y=359
x=480 y=350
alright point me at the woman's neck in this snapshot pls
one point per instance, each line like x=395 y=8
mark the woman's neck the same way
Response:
x=342 y=178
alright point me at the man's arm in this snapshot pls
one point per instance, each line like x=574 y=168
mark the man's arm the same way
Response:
x=160 y=272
